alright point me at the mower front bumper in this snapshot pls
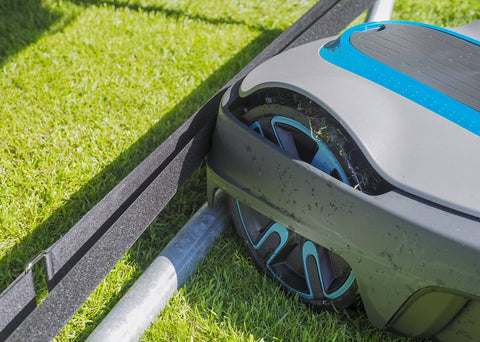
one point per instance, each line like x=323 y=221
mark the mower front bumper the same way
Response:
x=417 y=265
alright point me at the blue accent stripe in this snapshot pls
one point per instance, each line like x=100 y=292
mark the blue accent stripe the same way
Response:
x=324 y=159
x=343 y=54
x=282 y=232
x=256 y=126
x=274 y=228
x=309 y=249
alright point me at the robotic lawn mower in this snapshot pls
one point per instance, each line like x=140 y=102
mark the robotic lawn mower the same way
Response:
x=352 y=165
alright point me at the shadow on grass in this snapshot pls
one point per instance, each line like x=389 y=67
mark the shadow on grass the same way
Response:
x=78 y=205
x=169 y=12
x=23 y=22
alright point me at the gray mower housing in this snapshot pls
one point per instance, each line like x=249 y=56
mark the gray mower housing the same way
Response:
x=415 y=249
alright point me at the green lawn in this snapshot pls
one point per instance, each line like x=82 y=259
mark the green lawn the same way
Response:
x=89 y=88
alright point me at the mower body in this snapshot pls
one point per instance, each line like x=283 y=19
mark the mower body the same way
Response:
x=409 y=96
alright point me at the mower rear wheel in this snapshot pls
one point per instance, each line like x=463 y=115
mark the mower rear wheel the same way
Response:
x=319 y=276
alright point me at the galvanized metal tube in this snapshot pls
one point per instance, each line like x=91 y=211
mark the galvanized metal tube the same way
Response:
x=148 y=296
x=381 y=10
